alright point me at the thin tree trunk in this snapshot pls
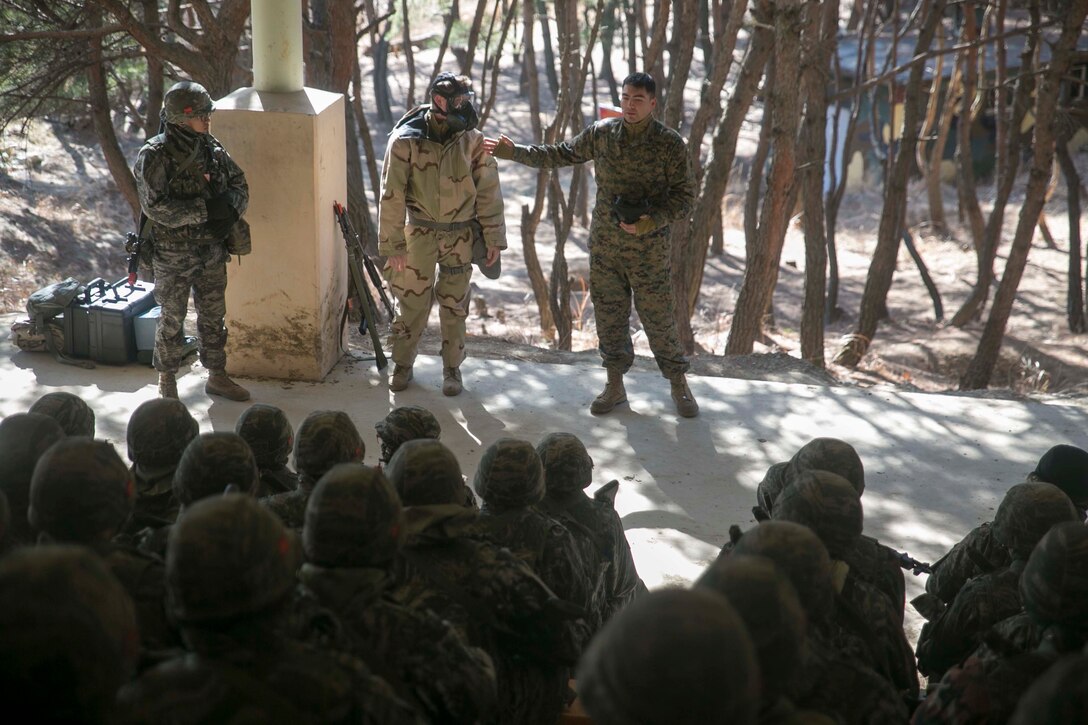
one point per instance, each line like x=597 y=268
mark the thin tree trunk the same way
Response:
x=754 y=193
x=927 y=280
x=981 y=368
x=451 y=17
x=491 y=63
x=761 y=270
x=364 y=133
x=630 y=12
x=156 y=88
x=473 y=37
x=549 y=49
x=608 y=32
x=882 y=267
x=931 y=172
x=651 y=60
x=685 y=33
x=966 y=188
x=409 y=56
x=1075 y=291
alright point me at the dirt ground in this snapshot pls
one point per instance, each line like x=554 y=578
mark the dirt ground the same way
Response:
x=60 y=215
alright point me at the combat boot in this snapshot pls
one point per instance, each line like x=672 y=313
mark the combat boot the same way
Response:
x=451 y=383
x=219 y=384
x=168 y=386
x=612 y=395
x=401 y=375
x=681 y=395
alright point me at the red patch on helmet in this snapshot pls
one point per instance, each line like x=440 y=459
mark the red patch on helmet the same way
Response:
x=187 y=109
x=284 y=546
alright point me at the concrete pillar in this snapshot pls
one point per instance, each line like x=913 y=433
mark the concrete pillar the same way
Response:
x=277 y=45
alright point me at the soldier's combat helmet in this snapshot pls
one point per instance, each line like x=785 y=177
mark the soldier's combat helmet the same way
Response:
x=81 y=490
x=826 y=503
x=212 y=462
x=1054 y=584
x=406 y=423
x=801 y=557
x=425 y=472
x=68 y=636
x=158 y=432
x=24 y=437
x=269 y=434
x=771 y=611
x=1067 y=468
x=1058 y=696
x=830 y=454
x=669 y=652
x=1026 y=513
x=768 y=490
x=354 y=518
x=325 y=438
x=567 y=464
x=68 y=409
x=228 y=557
x=186 y=100
x=510 y=475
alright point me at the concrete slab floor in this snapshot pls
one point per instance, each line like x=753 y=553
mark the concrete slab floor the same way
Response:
x=936 y=465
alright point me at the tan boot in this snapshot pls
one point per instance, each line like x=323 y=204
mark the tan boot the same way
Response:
x=219 y=384
x=168 y=386
x=451 y=383
x=681 y=395
x=612 y=395
x=401 y=375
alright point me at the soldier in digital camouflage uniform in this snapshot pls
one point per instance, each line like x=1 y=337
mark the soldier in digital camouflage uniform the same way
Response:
x=230 y=574
x=437 y=174
x=1063 y=465
x=836 y=676
x=270 y=436
x=193 y=193
x=157 y=434
x=354 y=531
x=672 y=656
x=1025 y=515
x=24 y=437
x=213 y=463
x=68 y=636
x=568 y=470
x=637 y=160
x=402 y=424
x=325 y=438
x=68 y=409
x=490 y=595
x=829 y=505
x=82 y=493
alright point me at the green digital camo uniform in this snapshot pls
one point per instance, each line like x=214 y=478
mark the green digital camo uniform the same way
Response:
x=644 y=161
x=439 y=177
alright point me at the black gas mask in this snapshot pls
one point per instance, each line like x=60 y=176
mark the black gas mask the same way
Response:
x=460 y=114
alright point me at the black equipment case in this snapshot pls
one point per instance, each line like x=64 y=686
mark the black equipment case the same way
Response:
x=99 y=324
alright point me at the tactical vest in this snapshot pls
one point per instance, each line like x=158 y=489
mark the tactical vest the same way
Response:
x=185 y=180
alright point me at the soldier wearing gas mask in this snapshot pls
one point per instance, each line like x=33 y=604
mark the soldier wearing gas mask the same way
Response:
x=439 y=188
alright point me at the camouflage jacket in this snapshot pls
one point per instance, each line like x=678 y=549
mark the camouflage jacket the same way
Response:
x=982 y=690
x=978 y=553
x=443 y=181
x=290 y=507
x=144 y=578
x=173 y=197
x=893 y=656
x=156 y=504
x=277 y=480
x=878 y=565
x=424 y=658
x=649 y=163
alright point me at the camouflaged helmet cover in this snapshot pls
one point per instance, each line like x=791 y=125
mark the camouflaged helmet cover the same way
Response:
x=768 y=605
x=669 y=652
x=158 y=432
x=269 y=434
x=186 y=100
x=510 y=474
x=325 y=438
x=81 y=488
x=24 y=437
x=1067 y=468
x=1027 y=512
x=68 y=409
x=826 y=503
x=1054 y=584
x=425 y=472
x=830 y=454
x=1057 y=697
x=768 y=490
x=68 y=634
x=354 y=518
x=210 y=463
x=228 y=557
x=801 y=557
x=406 y=423
x=567 y=464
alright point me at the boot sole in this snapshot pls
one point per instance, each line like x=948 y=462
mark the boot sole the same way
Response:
x=235 y=398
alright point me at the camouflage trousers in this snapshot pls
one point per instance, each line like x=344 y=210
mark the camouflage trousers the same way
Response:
x=622 y=266
x=202 y=270
x=417 y=287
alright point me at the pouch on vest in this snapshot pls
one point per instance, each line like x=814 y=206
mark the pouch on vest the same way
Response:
x=239 y=241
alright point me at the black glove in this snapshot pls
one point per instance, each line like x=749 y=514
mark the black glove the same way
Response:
x=220 y=228
x=219 y=208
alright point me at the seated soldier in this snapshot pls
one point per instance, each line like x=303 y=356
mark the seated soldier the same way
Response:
x=353 y=534
x=158 y=432
x=231 y=572
x=568 y=470
x=325 y=438
x=68 y=637
x=409 y=423
x=24 y=437
x=270 y=436
x=68 y=409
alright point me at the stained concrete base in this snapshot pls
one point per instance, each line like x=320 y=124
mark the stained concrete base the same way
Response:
x=936 y=465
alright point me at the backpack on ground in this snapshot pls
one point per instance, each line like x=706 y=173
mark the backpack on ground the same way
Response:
x=43 y=331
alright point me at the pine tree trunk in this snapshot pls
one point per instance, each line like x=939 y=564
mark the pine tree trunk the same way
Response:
x=1075 y=291
x=965 y=169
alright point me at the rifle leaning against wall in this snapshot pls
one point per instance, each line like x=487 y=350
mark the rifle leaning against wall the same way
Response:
x=357 y=261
